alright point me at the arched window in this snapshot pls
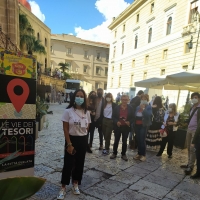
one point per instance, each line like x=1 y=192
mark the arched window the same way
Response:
x=169 y=26
x=122 y=48
x=149 y=35
x=136 y=41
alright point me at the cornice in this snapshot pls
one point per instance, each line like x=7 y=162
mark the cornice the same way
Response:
x=150 y=20
x=170 y=7
x=123 y=37
x=135 y=29
x=127 y=12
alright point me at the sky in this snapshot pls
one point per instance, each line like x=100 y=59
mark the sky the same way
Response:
x=87 y=19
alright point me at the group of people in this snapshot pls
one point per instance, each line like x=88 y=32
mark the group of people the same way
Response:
x=148 y=123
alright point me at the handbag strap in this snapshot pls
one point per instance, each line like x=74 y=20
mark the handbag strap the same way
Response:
x=192 y=114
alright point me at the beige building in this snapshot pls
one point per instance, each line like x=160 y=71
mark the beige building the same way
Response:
x=87 y=60
x=150 y=39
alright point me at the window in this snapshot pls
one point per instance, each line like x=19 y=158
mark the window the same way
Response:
x=119 y=80
x=45 y=42
x=147 y=59
x=114 y=51
x=98 y=70
x=38 y=36
x=193 y=11
x=45 y=64
x=115 y=34
x=105 y=86
x=85 y=54
x=169 y=26
x=133 y=63
x=107 y=57
x=132 y=79
x=111 y=84
x=106 y=71
x=96 y=86
x=137 y=18
x=98 y=56
x=185 y=67
x=120 y=67
x=145 y=75
x=124 y=27
x=122 y=48
x=162 y=72
x=152 y=7
x=113 y=69
x=165 y=52
x=187 y=50
x=150 y=35
x=69 y=51
x=85 y=68
x=51 y=49
x=136 y=42
x=69 y=65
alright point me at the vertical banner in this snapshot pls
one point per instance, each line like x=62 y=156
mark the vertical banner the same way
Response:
x=17 y=110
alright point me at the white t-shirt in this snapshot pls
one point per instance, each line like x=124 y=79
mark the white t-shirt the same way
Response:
x=78 y=121
x=108 y=111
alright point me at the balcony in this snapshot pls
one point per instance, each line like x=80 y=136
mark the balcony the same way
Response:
x=189 y=29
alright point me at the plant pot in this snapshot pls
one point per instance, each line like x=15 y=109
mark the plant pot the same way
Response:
x=41 y=123
x=180 y=139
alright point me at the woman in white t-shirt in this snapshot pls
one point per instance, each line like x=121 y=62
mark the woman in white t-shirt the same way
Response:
x=76 y=121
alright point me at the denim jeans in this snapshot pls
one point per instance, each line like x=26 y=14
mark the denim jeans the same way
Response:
x=141 y=132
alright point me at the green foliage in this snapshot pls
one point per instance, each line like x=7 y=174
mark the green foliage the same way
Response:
x=184 y=117
x=20 y=188
x=66 y=76
x=64 y=66
x=41 y=107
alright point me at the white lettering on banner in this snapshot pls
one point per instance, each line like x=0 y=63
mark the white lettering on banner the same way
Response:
x=18 y=131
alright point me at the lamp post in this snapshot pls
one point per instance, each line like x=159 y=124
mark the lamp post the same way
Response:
x=190 y=44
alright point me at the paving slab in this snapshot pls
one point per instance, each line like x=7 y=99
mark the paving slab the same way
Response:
x=108 y=168
x=125 y=177
x=88 y=181
x=160 y=181
x=150 y=189
x=99 y=193
x=42 y=170
x=138 y=171
x=148 y=166
x=182 y=195
x=96 y=174
x=54 y=178
x=130 y=195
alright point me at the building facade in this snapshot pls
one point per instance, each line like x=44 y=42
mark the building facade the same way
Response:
x=150 y=39
x=87 y=60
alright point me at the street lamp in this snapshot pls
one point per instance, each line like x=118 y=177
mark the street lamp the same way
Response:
x=190 y=44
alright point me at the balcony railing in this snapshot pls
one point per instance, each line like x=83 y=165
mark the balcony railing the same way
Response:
x=190 y=28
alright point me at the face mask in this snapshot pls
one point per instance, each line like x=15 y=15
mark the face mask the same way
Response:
x=108 y=99
x=100 y=95
x=194 y=101
x=144 y=102
x=79 y=101
x=170 y=110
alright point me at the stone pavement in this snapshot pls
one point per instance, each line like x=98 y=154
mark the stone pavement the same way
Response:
x=157 y=178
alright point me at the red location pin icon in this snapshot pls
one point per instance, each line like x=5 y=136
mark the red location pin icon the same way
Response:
x=18 y=101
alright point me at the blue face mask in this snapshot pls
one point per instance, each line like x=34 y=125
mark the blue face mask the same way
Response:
x=79 y=101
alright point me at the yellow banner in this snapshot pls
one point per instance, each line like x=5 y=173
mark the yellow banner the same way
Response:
x=17 y=64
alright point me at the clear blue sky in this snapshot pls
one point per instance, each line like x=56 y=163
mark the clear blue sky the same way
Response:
x=63 y=15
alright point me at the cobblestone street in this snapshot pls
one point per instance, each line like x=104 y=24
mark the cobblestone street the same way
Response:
x=157 y=178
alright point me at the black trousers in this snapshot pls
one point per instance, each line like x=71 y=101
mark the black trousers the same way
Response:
x=99 y=127
x=197 y=147
x=74 y=164
x=170 y=140
x=91 y=132
x=124 y=131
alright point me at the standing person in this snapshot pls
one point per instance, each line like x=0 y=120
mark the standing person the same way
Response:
x=107 y=124
x=135 y=102
x=193 y=121
x=92 y=109
x=63 y=97
x=59 y=97
x=153 y=138
x=171 y=119
x=123 y=117
x=76 y=120
x=143 y=120
x=196 y=144
x=118 y=98
x=99 y=115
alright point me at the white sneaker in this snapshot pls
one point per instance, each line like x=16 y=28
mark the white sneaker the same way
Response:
x=142 y=158
x=75 y=189
x=61 y=194
x=137 y=157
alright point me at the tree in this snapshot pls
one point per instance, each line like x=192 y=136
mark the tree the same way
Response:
x=64 y=66
x=28 y=41
x=66 y=76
